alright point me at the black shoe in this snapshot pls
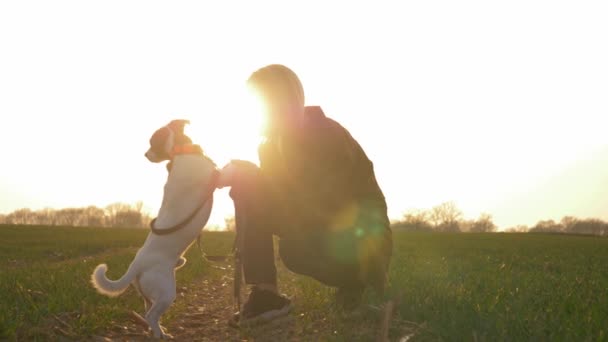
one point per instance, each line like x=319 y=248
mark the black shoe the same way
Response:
x=261 y=307
x=349 y=298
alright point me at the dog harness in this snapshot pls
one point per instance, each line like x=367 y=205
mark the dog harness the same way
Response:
x=188 y=149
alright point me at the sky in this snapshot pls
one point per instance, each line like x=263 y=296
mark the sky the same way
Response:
x=498 y=106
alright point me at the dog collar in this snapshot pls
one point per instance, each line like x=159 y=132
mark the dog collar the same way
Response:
x=186 y=149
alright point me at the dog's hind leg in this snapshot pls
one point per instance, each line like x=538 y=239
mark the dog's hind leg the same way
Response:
x=147 y=302
x=154 y=314
x=164 y=295
x=156 y=311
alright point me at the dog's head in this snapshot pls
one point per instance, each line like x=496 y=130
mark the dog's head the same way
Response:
x=165 y=139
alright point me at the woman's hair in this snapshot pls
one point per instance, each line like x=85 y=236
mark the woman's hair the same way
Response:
x=279 y=87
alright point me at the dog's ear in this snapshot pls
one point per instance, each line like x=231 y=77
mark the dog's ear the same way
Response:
x=178 y=125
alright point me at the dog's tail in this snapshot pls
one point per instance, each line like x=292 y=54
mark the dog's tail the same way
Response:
x=111 y=288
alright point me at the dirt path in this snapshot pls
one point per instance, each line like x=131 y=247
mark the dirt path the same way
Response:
x=202 y=315
x=205 y=308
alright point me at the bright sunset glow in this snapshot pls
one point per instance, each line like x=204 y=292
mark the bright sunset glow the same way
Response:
x=495 y=106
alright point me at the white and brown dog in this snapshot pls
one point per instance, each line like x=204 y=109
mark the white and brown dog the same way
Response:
x=185 y=209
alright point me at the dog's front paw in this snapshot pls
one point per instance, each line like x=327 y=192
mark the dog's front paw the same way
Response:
x=233 y=171
x=226 y=175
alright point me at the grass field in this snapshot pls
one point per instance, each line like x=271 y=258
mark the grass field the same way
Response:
x=453 y=287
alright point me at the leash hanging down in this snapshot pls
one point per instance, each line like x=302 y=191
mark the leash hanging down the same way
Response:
x=237 y=250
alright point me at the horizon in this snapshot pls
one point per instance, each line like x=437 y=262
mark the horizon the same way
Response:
x=497 y=107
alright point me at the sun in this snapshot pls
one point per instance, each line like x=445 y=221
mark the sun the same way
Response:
x=255 y=107
x=231 y=127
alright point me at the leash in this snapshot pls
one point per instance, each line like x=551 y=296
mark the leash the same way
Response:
x=237 y=250
x=238 y=262
x=200 y=247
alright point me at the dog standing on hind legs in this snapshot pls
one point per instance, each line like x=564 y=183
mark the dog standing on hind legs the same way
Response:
x=186 y=206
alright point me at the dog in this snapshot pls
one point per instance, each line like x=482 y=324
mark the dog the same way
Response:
x=186 y=207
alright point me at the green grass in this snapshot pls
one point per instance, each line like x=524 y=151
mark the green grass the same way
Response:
x=46 y=271
x=454 y=286
x=504 y=286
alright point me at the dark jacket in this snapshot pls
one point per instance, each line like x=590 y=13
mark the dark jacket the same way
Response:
x=324 y=182
x=319 y=170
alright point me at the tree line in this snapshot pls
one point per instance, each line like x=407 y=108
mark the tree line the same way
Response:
x=572 y=225
x=446 y=217
x=118 y=214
